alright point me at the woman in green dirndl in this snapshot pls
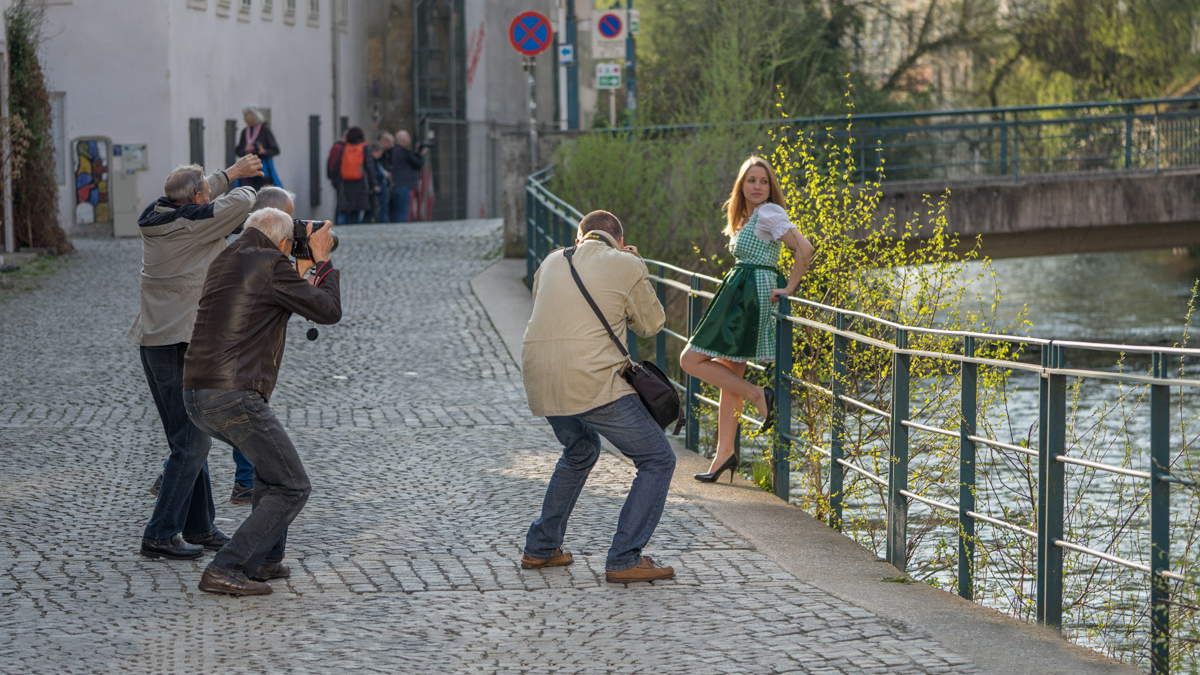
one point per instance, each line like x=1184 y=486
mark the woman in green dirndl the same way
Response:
x=737 y=326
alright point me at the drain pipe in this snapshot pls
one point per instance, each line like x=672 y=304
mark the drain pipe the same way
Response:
x=337 y=107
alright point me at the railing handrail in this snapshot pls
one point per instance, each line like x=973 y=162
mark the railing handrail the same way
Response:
x=961 y=112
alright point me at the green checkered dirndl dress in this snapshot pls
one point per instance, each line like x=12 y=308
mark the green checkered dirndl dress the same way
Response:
x=737 y=326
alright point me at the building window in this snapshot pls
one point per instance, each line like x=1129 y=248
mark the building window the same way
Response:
x=201 y=5
x=341 y=13
x=289 y=12
x=268 y=7
x=314 y=13
x=223 y=7
x=244 y=11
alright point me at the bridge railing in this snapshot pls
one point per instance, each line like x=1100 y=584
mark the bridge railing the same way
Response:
x=1004 y=144
x=551 y=223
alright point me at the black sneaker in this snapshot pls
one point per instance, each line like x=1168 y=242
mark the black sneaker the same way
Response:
x=154 y=489
x=242 y=494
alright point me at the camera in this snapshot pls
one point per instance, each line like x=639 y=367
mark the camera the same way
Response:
x=300 y=249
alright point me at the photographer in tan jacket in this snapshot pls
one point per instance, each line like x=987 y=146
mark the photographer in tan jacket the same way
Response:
x=572 y=374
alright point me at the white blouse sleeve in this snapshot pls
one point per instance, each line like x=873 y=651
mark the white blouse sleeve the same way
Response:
x=772 y=222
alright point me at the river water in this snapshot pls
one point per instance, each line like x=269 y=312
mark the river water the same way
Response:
x=1137 y=297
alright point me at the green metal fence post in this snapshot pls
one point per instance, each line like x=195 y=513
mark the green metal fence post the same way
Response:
x=897 y=507
x=1054 y=488
x=966 y=472
x=837 y=427
x=783 y=400
x=1128 y=136
x=1043 y=426
x=530 y=238
x=1016 y=149
x=1003 y=145
x=660 y=340
x=692 y=438
x=1160 y=520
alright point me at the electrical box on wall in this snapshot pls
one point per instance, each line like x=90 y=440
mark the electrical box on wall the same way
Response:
x=128 y=160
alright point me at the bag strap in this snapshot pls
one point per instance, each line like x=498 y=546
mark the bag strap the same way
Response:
x=567 y=253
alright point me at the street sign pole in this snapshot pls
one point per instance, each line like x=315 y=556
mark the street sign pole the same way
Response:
x=530 y=34
x=630 y=70
x=612 y=108
x=531 y=70
x=572 y=70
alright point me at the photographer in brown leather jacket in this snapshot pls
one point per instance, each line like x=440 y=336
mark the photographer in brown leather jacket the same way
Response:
x=230 y=371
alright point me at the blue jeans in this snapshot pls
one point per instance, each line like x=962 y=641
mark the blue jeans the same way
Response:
x=281 y=488
x=385 y=199
x=353 y=218
x=185 y=502
x=244 y=473
x=400 y=201
x=628 y=426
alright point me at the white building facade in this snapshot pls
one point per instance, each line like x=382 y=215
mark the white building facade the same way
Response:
x=140 y=87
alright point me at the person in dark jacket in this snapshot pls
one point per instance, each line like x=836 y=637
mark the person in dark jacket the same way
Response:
x=356 y=179
x=258 y=140
x=406 y=172
x=230 y=371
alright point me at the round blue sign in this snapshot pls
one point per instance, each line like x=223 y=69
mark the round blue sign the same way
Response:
x=610 y=25
x=530 y=33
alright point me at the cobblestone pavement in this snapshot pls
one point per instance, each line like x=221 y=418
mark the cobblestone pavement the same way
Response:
x=426 y=467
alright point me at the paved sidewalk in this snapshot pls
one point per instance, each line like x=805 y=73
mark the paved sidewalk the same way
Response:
x=427 y=468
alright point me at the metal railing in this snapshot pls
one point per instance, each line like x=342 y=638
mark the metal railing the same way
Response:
x=1001 y=144
x=551 y=223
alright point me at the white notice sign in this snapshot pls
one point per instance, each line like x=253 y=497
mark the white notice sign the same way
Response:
x=608 y=35
x=608 y=76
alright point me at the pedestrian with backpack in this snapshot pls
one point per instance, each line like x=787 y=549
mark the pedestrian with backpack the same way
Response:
x=356 y=179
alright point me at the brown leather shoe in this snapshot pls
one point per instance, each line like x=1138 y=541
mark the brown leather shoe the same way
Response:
x=217 y=580
x=645 y=570
x=560 y=558
x=271 y=570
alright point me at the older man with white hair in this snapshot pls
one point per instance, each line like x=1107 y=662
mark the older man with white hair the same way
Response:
x=230 y=371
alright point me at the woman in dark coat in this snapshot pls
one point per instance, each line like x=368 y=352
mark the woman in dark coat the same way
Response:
x=356 y=179
x=257 y=138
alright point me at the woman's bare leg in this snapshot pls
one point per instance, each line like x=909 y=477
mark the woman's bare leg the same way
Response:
x=711 y=371
x=727 y=417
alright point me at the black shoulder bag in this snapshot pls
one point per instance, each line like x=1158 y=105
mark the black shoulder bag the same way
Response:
x=652 y=385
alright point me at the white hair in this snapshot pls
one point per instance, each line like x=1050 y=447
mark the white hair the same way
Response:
x=254 y=113
x=272 y=222
x=273 y=197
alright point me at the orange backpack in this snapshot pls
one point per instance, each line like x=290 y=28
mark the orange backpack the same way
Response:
x=352 y=161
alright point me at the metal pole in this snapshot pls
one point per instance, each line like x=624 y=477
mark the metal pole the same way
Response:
x=572 y=70
x=897 y=540
x=837 y=428
x=333 y=65
x=660 y=340
x=1050 y=527
x=966 y=473
x=630 y=68
x=530 y=237
x=1160 y=520
x=783 y=401
x=531 y=69
x=612 y=108
x=692 y=439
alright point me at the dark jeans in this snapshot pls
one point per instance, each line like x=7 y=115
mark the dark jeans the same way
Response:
x=243 y=419
x=185 y=502
x=352 y=218
x=628 y=426
x=244 y=473
x=400 y=202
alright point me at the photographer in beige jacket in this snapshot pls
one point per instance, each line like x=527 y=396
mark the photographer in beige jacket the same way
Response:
x=572 y=374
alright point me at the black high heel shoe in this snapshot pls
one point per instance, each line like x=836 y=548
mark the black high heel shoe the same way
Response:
x=729 y=464
x=769 y=421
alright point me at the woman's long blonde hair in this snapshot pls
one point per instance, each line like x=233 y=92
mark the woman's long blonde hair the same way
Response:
x=736 y=210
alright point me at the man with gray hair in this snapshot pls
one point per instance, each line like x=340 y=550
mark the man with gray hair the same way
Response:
x=230 y=371
x=181 y=234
